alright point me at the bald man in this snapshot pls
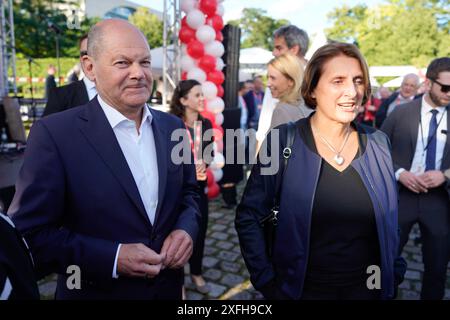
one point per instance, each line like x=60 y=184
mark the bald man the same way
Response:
x=98 y=199
x=407 y=93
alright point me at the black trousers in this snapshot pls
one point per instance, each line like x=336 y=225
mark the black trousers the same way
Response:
x=195 y=262
x=431 y=211
x=351 y=292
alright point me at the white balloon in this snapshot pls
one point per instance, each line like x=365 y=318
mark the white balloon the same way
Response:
x=205 y=34
x=187 y=63
x=197 y=74
x=218 y=162
x=188 y=5
x=219 y=119
x=216 y=105
x=220 y=10
x=218 y=174
x=209 y=90
x=195 y=19
x=220 y=64
x=214 y=48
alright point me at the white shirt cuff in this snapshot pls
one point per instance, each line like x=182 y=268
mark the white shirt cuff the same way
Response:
x=114 y=273
x=398 y=173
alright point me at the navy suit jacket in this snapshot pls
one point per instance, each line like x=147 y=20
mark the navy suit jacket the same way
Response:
x=252 y=117
x=76 y=200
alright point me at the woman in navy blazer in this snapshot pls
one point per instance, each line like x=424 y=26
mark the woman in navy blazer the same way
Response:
x=337 y=235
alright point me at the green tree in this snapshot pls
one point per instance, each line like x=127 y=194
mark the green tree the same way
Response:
x=150 y=25
x=257 y=28
x=400 y=32
x=33 y=35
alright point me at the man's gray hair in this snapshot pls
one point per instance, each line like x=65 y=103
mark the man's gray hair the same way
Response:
x=293 y=36
x=95 y=37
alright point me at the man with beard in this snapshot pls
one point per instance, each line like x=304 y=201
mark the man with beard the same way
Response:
x=418 y=131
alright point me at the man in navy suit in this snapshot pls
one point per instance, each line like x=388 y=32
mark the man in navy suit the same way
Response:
x=98 y=189
x=254 y=99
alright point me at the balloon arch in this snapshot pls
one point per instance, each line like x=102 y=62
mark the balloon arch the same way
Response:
x=201 y=52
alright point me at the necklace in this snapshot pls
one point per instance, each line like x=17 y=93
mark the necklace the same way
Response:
x=337 y=158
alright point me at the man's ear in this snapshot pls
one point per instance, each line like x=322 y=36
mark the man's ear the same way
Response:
x=88 y=67
x=295 y=50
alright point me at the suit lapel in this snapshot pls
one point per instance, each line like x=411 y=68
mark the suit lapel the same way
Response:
x=99 y=133
x=161 y=147
x=445 y=160
x=414 y=123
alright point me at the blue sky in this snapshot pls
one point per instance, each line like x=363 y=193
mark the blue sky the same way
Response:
x=310 y=15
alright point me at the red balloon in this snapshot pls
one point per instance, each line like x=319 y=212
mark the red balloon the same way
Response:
x=209 y=115
x=184 y=22
x=217 y=77
x=207 y=63
x=215 y=21
x=218 y=133
x=220 y=91
x=195 y=49
x=208 y=7
x=186 y=34
x=209 y=177
x=184 y=75
x=213 y=191
x=219 y=36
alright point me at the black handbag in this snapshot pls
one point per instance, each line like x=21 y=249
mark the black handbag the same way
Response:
x=269 y=222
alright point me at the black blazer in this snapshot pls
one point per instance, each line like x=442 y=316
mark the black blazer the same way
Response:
x=402 y=128
x=381 y=114
x=66 y=97
x=17 y=279
x=249 y=99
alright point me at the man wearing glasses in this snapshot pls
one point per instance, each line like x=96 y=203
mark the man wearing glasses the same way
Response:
x=418 y=131
x=74 y=94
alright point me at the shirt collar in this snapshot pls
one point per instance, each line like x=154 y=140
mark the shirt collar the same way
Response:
x=426 y=108
x=115 y=117
x=88 y=83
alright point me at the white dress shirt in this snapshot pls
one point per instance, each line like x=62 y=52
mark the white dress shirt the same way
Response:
x=90 y=88
x=140 y=153
x=419 y=160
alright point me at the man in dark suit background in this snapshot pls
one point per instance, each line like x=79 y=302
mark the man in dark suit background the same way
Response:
x=50 y=83
x=253 y=100
x=74 y=94
x=407 y=93
x=421 y=153
x=99 y=190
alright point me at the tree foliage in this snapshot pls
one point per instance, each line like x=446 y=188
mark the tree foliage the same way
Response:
x=150 y=25
x=257 y=28
x=400 y=32
x=33 y=35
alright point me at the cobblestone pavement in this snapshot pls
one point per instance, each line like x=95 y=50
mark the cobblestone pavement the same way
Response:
x=228 y=278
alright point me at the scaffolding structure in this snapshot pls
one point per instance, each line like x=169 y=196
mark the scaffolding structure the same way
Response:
x=8 y=49
x=171 y=47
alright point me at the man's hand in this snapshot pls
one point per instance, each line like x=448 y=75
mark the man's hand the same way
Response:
x=414 y=183
x=137 y=260
x=177 y=249
x=433 y=178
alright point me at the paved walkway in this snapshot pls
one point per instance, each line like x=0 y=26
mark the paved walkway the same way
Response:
x=226 y=274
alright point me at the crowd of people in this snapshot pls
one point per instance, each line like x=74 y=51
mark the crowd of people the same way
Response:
x=99 y=190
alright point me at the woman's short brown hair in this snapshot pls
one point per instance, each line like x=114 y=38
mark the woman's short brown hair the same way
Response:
x=314 y=69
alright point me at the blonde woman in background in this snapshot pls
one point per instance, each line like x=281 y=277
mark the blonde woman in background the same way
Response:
x=285 y=75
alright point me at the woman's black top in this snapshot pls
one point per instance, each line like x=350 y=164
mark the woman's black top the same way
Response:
x=343 y=237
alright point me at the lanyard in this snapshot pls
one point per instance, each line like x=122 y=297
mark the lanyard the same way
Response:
x=434 y=133
x=195 y=143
